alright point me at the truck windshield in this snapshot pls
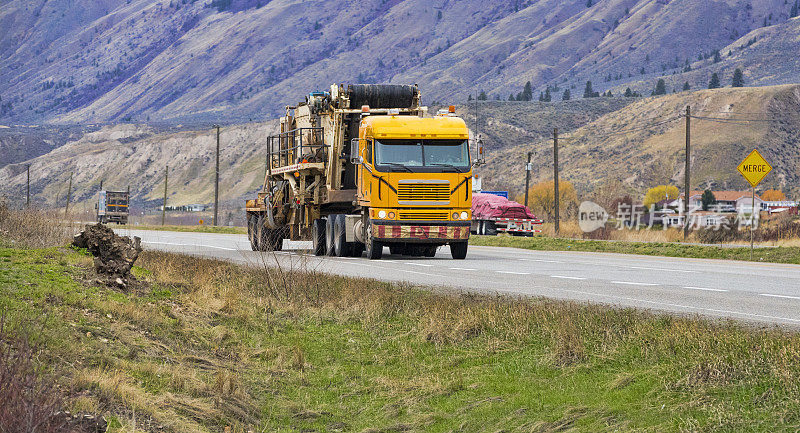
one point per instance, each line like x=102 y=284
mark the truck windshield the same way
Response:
x=434 y=155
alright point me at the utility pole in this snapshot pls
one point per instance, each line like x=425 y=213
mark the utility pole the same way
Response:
x=752 y=220
x=69 y=195
x=28 y=189
x=164 y=207
x=216 y=182
x=555 y=178
x=528 y=168
x=686 y=169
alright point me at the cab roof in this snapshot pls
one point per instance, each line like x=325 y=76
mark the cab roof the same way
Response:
x=404 y=126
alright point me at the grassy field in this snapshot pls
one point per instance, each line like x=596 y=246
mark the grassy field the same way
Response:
x=777 y=254
x=203 y=344
x=186 y=228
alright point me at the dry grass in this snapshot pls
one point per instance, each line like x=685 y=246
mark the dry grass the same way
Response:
x=33 y=228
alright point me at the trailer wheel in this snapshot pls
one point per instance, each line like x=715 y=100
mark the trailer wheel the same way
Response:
x=489 y=228
x=340 y=245
x=318 y=237
x=329 y=229
x=458 y=250
x=374 y=247
x=251 y=231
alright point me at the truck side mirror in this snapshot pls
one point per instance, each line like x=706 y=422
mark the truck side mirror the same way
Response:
x=480 y=159
x=355 y=156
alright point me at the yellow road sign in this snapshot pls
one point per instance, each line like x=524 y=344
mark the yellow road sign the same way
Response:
x=754 y=168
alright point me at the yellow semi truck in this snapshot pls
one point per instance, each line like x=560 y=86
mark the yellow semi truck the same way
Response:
x=363 y=167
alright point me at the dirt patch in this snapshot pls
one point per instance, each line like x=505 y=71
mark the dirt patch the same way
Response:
x=114 y=255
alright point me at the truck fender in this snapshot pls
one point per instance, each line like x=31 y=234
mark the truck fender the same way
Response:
x=353 y=228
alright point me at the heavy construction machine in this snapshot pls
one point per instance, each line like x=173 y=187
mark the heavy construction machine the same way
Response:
x=363 y=167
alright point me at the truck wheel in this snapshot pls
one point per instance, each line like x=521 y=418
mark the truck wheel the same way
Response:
x=251 y=231
x=276 y=237
x=430 y=250
x=329 y=229
x=318 y=237
x=374 y=247
x=340 y=245
x=397 y=249
x=458 y=250
x=357 y=249
x=489 y=228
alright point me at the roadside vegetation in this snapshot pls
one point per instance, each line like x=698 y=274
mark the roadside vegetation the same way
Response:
x=201 y=345
x=186 y=228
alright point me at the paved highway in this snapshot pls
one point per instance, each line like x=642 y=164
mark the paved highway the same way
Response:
x=760 y=292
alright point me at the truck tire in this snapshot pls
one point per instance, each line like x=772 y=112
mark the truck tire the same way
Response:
x=374 y=248
x=251 y=231
x=357 y=249
x=430 y=250
x=340 y=245
x=397 y=249
x=458 y=250
x=276 y=237
x=329 y=229
x=489 y=228
x=318 y=237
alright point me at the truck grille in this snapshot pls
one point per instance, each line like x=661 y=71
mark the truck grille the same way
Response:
x=423 y=216
x=428 y=191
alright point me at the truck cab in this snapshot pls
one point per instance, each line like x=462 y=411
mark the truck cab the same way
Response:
x=414 y=177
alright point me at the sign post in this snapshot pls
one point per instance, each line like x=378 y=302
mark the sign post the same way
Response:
x=754 y=168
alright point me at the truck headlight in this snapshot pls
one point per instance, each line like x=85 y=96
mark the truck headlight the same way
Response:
x=464 y=215
x=381 y=214
x=455 y=215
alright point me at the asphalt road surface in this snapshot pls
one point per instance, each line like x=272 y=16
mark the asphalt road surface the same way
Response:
x=759 y=292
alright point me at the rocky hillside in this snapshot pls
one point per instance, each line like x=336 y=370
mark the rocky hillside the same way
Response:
x=643 y=144
x=237 y=60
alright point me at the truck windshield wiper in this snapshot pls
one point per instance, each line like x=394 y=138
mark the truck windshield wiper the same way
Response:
x=440 y=164
x=397 y=165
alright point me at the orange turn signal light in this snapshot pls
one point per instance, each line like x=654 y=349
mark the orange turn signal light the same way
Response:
x=451 y=109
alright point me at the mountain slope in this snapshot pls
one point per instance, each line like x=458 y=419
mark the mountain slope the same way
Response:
x=177 y=60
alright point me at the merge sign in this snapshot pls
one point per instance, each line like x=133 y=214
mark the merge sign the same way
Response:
x=754 y=168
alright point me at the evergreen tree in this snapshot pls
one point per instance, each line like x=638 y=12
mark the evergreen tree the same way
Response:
x=482 y=96
x=714 y=83
x=547 y=97
x=707 y=199
x=661 y=88
x=588 y=3
x=738 y=78
x=717 y=58
x=566 y=96
x=520 y=97
x=541 y=97
x=588 y=92
x=628 y=93
x=469 y=98
x=511 y=97
x=795 y=9
x=686 y=86
x=527 y=92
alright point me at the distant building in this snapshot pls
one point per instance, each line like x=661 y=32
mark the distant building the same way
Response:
x=726 y=201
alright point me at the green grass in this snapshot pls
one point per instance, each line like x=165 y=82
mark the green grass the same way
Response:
x=544 y=243
x=204 y=344
x=183 y=228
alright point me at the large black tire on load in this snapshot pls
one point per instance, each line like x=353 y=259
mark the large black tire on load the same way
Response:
x=374 y=248
x=252 y=220
x=318 y=237
x=381 y=95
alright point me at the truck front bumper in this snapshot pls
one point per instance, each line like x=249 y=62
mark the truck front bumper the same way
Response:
x=428 y=231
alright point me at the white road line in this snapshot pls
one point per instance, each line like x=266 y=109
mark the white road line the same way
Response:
x=463 y=269
x=513 y=273
x=420 y=273
x=419 y=264
x=706 y=289
x=660 y=269
x=779 y=296
x=564 y=277
x=540 y=260
x=189 y=245
x=632 y=283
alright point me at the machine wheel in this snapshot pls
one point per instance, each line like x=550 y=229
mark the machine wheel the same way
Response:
x=318 y=237
x=276 y=237
x=373 y=247
x=430 y=250
x=252 y=221
x=340 y=245
x=458 y=250
x=329 y=229
x=397 y=249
